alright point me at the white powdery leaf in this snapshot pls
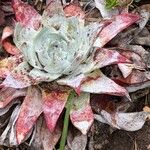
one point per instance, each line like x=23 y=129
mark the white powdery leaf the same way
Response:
x=81 y=114
x=18 y=78
x=126 y=121
x=96 y=82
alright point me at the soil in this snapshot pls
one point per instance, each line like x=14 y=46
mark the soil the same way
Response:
x=104 y=137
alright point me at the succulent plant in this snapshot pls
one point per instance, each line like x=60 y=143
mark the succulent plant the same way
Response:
x=55 y=54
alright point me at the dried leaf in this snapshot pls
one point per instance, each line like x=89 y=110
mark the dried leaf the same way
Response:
x=81 y=114
x=76 y=140
x=6 y=134
x=108 y=103
x=136 y=87
x=126 y=121
x=44 y=139
x=29 y=113
x=49 y=140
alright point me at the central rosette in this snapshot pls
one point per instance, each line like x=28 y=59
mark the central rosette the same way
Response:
x=58 y=47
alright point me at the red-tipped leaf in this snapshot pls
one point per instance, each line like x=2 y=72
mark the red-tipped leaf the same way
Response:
x=31 y=109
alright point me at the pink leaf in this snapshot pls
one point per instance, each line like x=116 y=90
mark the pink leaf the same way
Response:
x=7 y=32
x=26 y=14
x=74 y=9
x=29 y=113
x=10 y=48
x=53 y=7
x=18 y=78
x=121 y=22
x=96 y=82
x=74 y=82
x=81 y=114
x=53 y=104
x=9 y=94
x=101 y=57
x=7 y=65
x=135 y=77
x=104 y=57
x=136 y=59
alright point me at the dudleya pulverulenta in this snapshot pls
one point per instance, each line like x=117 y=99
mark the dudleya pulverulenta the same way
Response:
x=58 y=47
x=53 y=47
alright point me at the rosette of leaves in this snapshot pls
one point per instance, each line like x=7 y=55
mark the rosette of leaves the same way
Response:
x=54 y=54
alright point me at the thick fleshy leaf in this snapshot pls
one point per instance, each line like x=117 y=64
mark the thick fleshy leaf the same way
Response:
x=137 y=61
x=73 y=81
x=126 y=69
x=7 y=65
x=126 y=121
x=104 y=57
x=31 y=109
x=19 y=78
x=135 y=77
x=81 y=114
x=7 y=32
x=121 y=22
x=74 y=9
x=101 y=58
x=10 y=48
x=9 y=94
x=41 y=76
x=145 y=55
x=53 y=104
x=96 y=82
x=26 y=14
x=54 y=7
